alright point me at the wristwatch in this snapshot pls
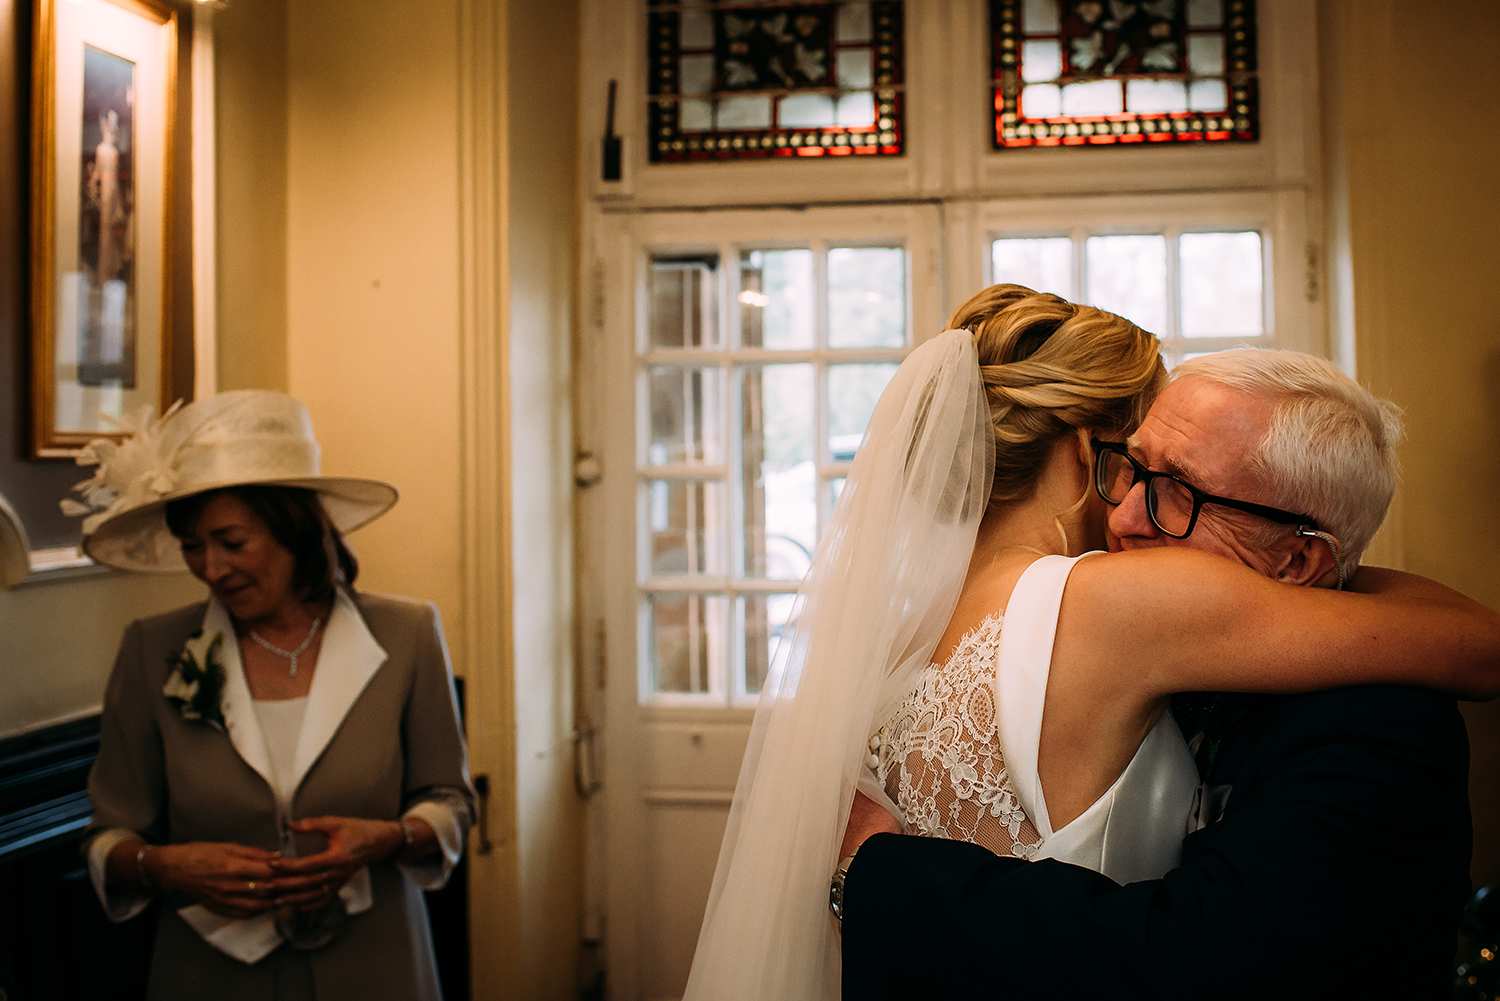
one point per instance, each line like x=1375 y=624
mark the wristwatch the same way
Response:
x=836 y=889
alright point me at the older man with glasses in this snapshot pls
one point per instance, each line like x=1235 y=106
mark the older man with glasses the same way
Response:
x=1276 y=896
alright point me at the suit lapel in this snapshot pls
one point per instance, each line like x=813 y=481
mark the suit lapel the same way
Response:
x=347 y=660
x=240 y=721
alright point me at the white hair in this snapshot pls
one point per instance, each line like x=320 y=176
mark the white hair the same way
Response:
x=1330 y=451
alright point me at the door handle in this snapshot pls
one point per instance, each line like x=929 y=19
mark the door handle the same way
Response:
x=482 y=787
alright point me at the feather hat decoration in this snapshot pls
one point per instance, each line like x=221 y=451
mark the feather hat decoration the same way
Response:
x=243 y=437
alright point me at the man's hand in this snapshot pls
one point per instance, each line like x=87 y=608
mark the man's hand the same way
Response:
x=866 y=817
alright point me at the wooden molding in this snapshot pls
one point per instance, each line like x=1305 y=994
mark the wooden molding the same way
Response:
x=484 y=648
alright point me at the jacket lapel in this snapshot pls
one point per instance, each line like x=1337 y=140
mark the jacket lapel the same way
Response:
x=347 y=660
x=240 y=721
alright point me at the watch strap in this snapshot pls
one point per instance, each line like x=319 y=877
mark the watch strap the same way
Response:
x=836 y=888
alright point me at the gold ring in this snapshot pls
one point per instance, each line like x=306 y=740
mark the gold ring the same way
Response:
x=252 y=886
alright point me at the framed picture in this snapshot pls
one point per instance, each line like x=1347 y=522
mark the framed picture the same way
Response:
x=104 y=90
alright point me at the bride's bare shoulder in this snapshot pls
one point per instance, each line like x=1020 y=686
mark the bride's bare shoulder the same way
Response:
x=1158 y=581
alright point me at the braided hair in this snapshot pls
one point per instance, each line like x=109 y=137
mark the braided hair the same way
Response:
x=1050 y=368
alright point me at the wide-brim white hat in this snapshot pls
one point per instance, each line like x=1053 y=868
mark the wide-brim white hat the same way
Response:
x=250 y=436
x=15 y=551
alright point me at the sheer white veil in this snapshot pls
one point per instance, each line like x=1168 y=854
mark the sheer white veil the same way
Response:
x=880 y=593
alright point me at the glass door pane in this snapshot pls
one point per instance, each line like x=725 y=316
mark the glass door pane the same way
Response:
x=748 y=434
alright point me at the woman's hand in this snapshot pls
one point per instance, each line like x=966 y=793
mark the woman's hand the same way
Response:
x=353 y=842
x=231 y=880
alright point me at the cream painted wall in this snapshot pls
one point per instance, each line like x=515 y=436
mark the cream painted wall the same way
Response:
x=372 y=272
x=251 y=155
x=376 y=347
x=59 y=640
x=1422 y=148
x=543 y=226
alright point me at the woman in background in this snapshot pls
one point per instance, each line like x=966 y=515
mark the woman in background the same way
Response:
x=283 y=763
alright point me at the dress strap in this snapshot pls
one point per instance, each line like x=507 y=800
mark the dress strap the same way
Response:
x=1021 y=680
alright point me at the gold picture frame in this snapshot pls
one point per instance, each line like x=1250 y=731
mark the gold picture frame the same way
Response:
x=103 y=107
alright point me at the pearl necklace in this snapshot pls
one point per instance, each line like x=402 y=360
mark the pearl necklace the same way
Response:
x=290 y=655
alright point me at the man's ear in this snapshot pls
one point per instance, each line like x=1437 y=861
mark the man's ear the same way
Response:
x=1305 y=560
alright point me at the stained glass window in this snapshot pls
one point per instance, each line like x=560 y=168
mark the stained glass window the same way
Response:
x=741 y=79
x=1101 y=72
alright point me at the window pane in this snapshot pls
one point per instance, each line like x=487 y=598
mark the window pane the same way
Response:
x=866 y=297
x=1099 y=98
x=780 y=478
x=1042 y=100
x=853 y=391
x=1156 y=96
x=697 y=29
x=776 y=299
x=1206 y=55
x=1041 y=61
x=763 y=620
x=1205 y=13
x=1222 y=285
x=744 y=113
x=806 y=111
x=854 y=69
x=1208 y=95
x=687 y=524
x=1128 y=275
x=686 y=641
x=686 y=415
x=857 y=109
x=1039 y=16
x=697 y=116
x=1044 y=264
x=684 y=304
x=854 y=22
x=697 y=74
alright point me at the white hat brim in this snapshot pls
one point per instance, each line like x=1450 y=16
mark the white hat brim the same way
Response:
x=138 y=539
x=15 y=550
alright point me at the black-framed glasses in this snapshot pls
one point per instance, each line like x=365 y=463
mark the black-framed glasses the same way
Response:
x=1172 y=503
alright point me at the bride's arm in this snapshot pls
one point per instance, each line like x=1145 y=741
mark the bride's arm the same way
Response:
x=1171 y=620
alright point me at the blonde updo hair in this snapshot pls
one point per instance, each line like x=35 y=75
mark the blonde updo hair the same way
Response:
x=1051 y=367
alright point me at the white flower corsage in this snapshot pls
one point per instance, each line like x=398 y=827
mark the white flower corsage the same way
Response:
x=197 y=679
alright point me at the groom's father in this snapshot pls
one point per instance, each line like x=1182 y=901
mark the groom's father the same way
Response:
x=1332 y=850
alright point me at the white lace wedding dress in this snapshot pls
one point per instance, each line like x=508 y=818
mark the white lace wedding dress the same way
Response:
x=959 y=758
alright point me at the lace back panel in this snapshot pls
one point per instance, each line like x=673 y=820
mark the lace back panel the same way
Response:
x=940 y=758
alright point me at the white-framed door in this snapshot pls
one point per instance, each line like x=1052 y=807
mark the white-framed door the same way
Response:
x=729 y=381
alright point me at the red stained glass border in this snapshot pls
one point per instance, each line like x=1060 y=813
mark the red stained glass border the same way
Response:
x=1239 y=123
x=669 y=144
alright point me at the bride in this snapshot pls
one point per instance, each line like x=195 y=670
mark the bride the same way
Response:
x=931 y=614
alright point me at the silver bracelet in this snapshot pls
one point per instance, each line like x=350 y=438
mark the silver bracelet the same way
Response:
x=140 y=868
x=408 y=836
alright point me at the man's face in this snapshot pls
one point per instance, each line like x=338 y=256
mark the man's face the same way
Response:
x=1206 y=434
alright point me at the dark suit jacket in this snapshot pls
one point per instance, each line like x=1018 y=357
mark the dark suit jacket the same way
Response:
x=1339 y=869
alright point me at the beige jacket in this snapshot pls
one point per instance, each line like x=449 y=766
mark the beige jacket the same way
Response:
x=381 y=732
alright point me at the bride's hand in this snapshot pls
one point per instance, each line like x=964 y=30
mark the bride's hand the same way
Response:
x=866 y=817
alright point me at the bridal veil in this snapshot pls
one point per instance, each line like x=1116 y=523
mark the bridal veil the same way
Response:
x=870 y=612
